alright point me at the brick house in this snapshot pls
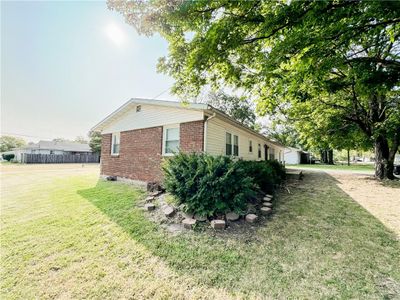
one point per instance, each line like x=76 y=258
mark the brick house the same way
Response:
x=142 y=132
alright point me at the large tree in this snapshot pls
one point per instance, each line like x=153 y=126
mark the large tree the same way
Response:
x=239 y=108
x=327 y=61
x=10 y=142
x=95 y=141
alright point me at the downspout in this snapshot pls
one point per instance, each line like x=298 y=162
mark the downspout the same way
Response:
x=205 y=131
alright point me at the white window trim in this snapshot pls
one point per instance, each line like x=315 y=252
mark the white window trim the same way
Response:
x=232 y=143
x=112 y=143
x=164 y=140
x=252 y=150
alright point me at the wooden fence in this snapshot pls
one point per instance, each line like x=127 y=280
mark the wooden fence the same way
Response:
x=59 y=158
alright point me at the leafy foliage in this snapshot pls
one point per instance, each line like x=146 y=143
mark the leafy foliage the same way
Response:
x=95 y=141
x=332 y=66
x=208 y=185
x=265 y=174
x=80 y=140
x=8 y=157
x=239 y=108
x=9 y=142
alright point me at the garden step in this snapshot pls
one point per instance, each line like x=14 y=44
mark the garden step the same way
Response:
x=267 y=204
x=188 y=223
x=149 y=199
x=156 y=193
x=231 y=216
x=169 y=211
x=218 y=224
x=265 y=210
x=267 y=198
x=149 y=206
x=251 y=218
x=187 y=215
x=200 y=218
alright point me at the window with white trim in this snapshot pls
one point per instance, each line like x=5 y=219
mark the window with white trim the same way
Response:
x=228 y=144
x=259 y=150
x=272 y=154
x=250 y=146
x=171 y=140
x=115 y=141
x=235 y=145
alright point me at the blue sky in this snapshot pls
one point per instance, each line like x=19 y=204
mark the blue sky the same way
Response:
x=66 y=65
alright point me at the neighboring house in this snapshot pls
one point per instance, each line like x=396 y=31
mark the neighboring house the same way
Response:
x=294 y=156
x=137 y=136
x=51 y=147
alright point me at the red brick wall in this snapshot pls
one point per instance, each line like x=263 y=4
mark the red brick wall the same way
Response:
x=192 y=136
x=140 y=154
x=139 y=157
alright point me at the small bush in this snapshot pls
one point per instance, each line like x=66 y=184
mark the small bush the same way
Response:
x=8 y=157
x=208 y=185
x=266 y=174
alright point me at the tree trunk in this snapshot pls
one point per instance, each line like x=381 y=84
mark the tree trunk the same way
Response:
x=330 y=157
x=384 y=164
x=348 y=157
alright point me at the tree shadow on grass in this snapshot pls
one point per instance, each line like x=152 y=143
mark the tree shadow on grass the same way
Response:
x=315 y=243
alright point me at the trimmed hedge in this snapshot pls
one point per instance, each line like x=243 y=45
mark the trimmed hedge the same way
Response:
x=213 y=185
x=208 y=185
x=8 y=157
x=266 y=174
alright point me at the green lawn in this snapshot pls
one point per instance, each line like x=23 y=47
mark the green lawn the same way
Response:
x=67 y=235
x=352 y=167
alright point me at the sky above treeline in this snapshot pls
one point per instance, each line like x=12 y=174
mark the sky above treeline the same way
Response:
x=67 y=65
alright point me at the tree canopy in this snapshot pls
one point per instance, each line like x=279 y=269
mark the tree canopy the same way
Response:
x=10 y=142
x=327 y=65
x=239 y=108
x=95 y=141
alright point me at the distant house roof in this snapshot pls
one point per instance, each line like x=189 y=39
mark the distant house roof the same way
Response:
x=295 y=149
x=63 y=146
x=193 y=106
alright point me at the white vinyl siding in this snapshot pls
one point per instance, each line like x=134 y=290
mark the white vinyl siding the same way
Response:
x=152 y=116
x=171 y=139
x=217 y=128
x=115 y=142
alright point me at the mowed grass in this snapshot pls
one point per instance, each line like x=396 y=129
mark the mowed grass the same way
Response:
x=339 y=167
x=70 y=236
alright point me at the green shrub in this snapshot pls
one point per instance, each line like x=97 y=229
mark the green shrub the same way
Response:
x=266 y=174
x=8 y=157
x=208 y=185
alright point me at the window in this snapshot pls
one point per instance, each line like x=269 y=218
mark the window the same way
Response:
x=115 y=140
x=272 y=154
x=228 y=142
x=51 y=151
x=138 y=108
x=259 y=150
x=235 y=145
x=251 y=146
x=171 y=140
